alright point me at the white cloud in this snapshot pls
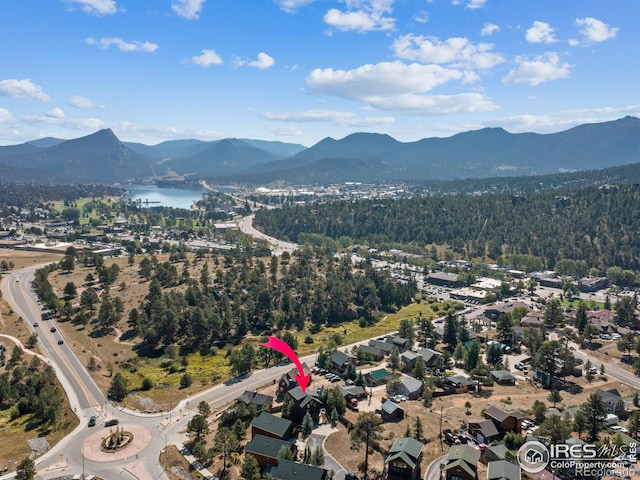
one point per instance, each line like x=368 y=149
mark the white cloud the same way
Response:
x=134 y=46
x=56 y=113
x=381 y=79
x=457 y=51
x=594 y=30
x=292 y=6
x=207 y=58
x=15 y=88
x=343 y=119
x=573 y=42
x=489 y=29
x=542 y=69
x=189 y=9
x=362 y=16
x=540 y=32
x=82 y=102
x=473 y=4
x=397 y=87
x=5 y=116
x=96 y=7
x=411 y=104
x=422 y=17
x=263 y=62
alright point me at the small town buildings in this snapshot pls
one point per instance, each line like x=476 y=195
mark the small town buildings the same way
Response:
x=340 y=360
x=266 y=449
x=503 y=377
x=288 y=470
x=377 y=377
x=484 y=431
x=462 y=463
x=307 y=401
x=410 y=387
x=503 y=470
x=390 y=411
x=503 y=420
x=269 y=425
x=444 y=279
x=613 y=401
x=288 y=379
x=259 y=400
x=403 y=461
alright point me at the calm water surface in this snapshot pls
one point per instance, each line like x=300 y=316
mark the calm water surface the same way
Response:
x=163 y=196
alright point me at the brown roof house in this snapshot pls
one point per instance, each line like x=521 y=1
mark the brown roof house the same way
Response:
x=288 y=379
x=304 y=402
x=403 y=461
x=503 y=420
x=462 y=463
x=484 y=431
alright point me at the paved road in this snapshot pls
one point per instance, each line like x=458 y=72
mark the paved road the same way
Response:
x=279 y=246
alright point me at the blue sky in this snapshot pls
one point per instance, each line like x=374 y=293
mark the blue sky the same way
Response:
x=301 y=70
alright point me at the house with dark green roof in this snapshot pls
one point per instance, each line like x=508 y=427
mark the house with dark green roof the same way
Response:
x=503 y=470
x=271 y=426
x=503 y=377
x=403 y=461
x=377 y=377
x=391 y=411
x=288 y=470
x=462 y=463
x=259 y=400
x=307 y=401
x=266 y=450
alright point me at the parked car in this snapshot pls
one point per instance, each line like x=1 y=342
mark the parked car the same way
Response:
x=519 y=366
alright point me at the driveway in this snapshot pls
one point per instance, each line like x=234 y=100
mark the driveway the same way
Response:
x=316 y=440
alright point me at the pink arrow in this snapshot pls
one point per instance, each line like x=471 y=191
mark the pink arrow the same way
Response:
x=282 y=347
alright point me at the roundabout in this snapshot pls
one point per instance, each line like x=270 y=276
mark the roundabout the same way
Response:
x=110 y=445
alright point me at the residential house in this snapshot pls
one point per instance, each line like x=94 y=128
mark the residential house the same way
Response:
x=385 y=347
x=503 y=470
x=503 y=420
x=369 y=352
x=288 y=470
x=340 y=360
x=484 y=431
x=261 y=401
x=410 y=387
x=352 y=391
x=403 y=461
x=378 y=377
x=408 y=360
x=288 y=379
x=269 y=425
x=459 y=383
x=390 y=411
x=402 y=344
x=266 y=449
x=503 y=377
x=307 y=401
x=462 y=463
x=495 y=452
x=533 y=320
x=431 y=358
x=613 y=401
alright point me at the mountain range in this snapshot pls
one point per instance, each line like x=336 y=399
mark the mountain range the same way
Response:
x=490 y=152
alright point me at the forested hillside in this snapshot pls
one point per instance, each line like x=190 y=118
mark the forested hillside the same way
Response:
x=600 y=226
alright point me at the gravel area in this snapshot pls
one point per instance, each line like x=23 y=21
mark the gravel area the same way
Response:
x=181 y=472
x=38 y=446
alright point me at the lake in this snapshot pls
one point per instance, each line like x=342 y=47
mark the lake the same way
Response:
x=163 y=196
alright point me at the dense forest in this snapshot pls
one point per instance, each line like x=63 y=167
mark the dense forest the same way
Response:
x=596 y=225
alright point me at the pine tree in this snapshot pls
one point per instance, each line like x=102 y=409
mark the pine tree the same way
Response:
x=307 y=425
